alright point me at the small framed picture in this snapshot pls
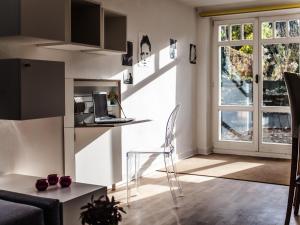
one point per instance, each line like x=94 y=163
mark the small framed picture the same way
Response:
x=127 y=58
x=145 y=49
x=193 y=54
x=128 y=77
x=173 y=49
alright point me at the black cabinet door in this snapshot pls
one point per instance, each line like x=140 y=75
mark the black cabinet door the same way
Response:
x=10 y=107
x=42 y=89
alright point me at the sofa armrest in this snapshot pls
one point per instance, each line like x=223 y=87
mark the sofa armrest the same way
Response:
x=12 y=213
x=50 y=207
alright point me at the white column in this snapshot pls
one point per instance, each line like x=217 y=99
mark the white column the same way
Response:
x=204 y=90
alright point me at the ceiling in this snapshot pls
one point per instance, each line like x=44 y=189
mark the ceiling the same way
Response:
x=229 y=4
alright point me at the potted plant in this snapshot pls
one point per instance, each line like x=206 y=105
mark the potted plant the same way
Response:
x=113 y=97
x=101 y=211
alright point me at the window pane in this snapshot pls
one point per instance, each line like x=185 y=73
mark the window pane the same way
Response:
x=236 y=75
x=223 y=33
x=277 y=128
x=294 y=28
x=277 y=59
x=236 y=32
x=248 y=31
x=267 y=30
x=280 y=29
x=236 y=126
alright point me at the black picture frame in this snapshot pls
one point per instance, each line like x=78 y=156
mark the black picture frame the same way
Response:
x=128 y=77
x=173 y=48
x=193 y=54
x=127 y=59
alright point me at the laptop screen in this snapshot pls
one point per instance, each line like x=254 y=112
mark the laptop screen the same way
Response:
x=100 y=105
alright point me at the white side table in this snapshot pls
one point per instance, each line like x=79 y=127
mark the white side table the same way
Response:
x=71 y=199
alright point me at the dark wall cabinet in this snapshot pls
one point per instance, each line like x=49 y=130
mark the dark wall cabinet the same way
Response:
x=73 y=25
x=37 y=21
x=31 y=89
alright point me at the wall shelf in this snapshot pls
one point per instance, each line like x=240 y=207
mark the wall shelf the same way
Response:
x=32 y=21
x=83 y=91
x=70 y=46
x=71 y=25
x=82 y=27
x=93 y=29
x=114 y=33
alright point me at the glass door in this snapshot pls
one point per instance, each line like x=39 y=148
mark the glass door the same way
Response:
x=279 y=53
x=251 y=103
x=237 y=97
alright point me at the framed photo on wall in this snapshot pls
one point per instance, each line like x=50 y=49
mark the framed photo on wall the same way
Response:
x=173 y=48
x=145 y=49
x=193 y=54
x=127 y=77
x=127 y=59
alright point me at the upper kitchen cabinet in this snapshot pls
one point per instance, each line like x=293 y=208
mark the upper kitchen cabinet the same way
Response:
x=31 y=89
x=74 y=25
x=82 y=22
x=32 y=21
x=114 y=35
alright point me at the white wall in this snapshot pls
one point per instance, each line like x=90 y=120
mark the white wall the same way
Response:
x=36 y=147
x=204 y=86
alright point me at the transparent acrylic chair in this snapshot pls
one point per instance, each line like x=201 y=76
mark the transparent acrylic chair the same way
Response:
x=167 y=151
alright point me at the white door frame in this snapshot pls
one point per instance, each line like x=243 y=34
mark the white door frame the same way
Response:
x=272 y=147
x=265 y=149
x=236 y=145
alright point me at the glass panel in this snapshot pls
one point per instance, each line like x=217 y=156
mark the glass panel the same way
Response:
x=236 y=32
x=277 y=128
x=236 y=75
x=267 y=30
x=223 y=33
x=280 y=29
x=294 y=28
x=236 y=126
x=277 y=59
x=248 y=31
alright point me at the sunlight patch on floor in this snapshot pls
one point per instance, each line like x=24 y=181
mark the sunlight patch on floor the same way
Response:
x=194 y=179
x=201 y=163
x=144 y=191
x=230 y=168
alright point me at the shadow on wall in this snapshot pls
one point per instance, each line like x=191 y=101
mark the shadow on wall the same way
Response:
x=152 y=96
x=24 y=145
x=8 y=144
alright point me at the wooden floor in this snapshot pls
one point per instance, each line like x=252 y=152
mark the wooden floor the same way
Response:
x=264 y=170
x=207 y=201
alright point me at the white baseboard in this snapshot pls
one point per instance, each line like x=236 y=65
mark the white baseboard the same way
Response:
x=247 y=153
x=187 y=154
x=205 y=151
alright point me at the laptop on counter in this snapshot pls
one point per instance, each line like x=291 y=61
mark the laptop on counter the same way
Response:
x=101 y=111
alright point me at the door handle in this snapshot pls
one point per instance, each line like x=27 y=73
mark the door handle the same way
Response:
x=256 y=78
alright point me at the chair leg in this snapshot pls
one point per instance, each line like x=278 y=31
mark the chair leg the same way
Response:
x=169 y=180
x=176 y=175
x=296 y=200
x=292 y=180
x=136 y=173
x=127 y=178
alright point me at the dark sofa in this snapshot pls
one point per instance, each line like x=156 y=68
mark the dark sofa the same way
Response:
x=12 y=213
x=49 y=209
